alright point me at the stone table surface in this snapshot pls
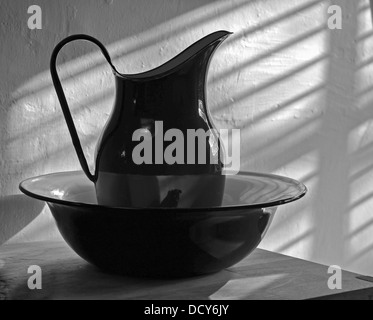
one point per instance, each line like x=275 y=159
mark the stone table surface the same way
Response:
x=262 y=275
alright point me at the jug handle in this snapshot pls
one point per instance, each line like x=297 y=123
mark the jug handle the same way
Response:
x=62 y=97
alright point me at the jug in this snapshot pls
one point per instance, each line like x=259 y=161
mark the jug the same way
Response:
x=158 y=147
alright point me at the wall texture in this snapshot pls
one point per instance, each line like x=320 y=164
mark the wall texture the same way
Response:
x=300 y=93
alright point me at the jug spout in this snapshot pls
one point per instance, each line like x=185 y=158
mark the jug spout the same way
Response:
x=204 y=48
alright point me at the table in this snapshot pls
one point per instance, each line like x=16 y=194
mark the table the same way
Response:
x=262 y=275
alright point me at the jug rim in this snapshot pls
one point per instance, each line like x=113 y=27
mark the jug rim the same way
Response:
x=172 y=64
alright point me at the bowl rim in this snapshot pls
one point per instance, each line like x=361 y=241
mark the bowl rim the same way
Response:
x=302 y=192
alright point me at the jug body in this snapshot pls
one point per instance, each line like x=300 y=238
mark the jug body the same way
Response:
x=159 y=147
x=160 y=142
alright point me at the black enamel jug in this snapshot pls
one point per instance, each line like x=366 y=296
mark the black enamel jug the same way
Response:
x=159 y=147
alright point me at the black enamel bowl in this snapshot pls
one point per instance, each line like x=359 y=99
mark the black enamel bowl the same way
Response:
x=164 y=242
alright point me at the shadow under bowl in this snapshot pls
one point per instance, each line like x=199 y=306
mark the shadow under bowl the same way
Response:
x=164 y=242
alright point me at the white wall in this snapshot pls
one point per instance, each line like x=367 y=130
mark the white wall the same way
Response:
x=299 y=92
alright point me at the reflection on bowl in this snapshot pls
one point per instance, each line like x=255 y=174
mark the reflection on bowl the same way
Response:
x=164 y=242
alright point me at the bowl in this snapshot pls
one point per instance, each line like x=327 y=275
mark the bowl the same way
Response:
x=164 y=242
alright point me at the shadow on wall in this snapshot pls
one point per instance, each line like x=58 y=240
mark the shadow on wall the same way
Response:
x=337 y=220
x=299 y=92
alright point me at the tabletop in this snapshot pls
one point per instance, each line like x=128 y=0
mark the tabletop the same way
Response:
x=261 y=275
